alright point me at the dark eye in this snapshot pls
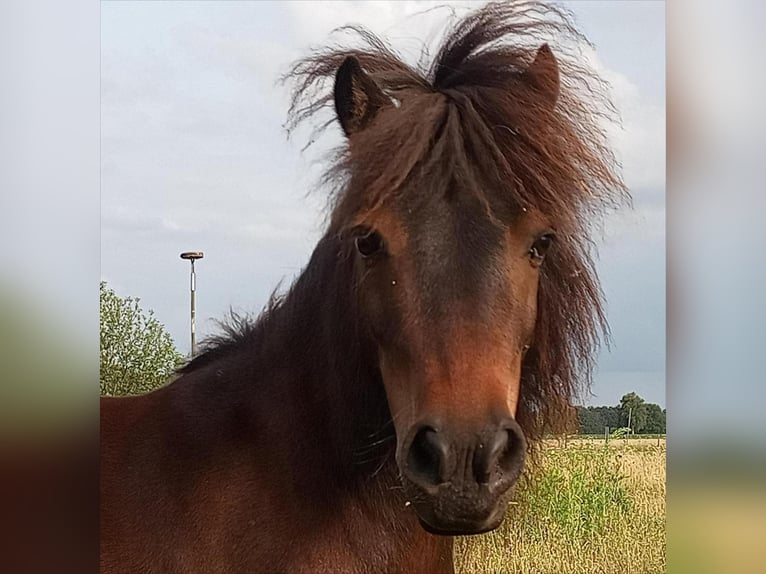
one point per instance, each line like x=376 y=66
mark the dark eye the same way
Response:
x=540 y=247
x=370 y=244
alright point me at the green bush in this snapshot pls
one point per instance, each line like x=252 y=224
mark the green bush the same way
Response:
x=579 y=490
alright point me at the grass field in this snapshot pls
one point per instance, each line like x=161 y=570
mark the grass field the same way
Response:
x=586 y=508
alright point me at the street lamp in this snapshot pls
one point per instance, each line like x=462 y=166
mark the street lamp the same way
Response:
x=193 y=256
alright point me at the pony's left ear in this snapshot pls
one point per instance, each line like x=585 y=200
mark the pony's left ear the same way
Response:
x=358 y=99
x=543 y=75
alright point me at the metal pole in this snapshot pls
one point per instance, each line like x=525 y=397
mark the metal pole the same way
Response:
x=193 y=256
x=193 y=310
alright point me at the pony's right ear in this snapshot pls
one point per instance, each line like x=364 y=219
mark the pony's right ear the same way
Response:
x=358 y=99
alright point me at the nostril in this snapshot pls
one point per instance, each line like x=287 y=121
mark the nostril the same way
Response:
x=511 y=458
x=501 y=456
x=488 y=456
x=427 y=457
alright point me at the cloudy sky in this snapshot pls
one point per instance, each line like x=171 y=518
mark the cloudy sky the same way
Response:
x=194 y=157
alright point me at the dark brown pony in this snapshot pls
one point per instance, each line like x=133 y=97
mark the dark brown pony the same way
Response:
x=446 y=318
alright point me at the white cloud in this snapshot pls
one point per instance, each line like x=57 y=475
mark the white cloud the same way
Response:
x=639 y=142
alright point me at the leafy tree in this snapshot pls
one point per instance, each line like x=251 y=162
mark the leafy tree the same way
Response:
x=611 y=417
x=593 y=420
x=634 y=409
x=655 y=419
x=137 y=354
x=585 y=419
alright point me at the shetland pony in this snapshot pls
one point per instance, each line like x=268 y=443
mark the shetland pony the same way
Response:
x=386 y=402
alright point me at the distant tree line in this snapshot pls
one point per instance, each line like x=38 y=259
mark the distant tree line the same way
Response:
x=633 y=412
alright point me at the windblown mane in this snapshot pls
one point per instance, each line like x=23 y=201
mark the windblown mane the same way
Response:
x=471 y=117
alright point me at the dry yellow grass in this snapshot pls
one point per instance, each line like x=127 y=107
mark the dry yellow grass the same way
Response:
x=586 y=509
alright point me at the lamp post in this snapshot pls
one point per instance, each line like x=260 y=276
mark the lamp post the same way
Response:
x=193 y=256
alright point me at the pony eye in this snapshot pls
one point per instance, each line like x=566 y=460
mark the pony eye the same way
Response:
x=370 y=244
x=540 y=247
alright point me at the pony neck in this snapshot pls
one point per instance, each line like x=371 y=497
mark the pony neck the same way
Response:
x=335 y=366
